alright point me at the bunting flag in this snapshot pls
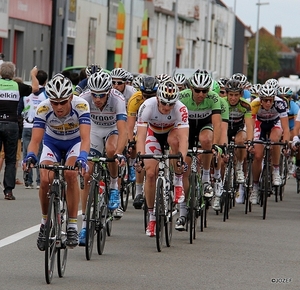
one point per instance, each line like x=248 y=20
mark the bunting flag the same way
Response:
x=120 y=35
x=144 y=45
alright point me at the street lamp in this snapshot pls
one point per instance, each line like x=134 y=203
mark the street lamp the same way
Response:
x=256 y=42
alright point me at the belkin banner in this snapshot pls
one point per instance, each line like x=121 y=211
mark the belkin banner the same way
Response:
x=4 y=18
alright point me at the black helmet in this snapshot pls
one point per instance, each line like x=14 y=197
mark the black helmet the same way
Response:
x=149 y=86
x=234 y=86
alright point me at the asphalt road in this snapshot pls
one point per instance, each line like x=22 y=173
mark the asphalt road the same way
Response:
x=245 y=252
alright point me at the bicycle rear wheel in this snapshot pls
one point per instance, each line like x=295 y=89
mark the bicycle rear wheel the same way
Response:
x=50 y=242
x=101 y=231
x=124 y=189
x=191 y=206
x=169 y=221
x=62 y=252
x=146 y=214
x=91 y=220
x=264 y=193
x=159 y=214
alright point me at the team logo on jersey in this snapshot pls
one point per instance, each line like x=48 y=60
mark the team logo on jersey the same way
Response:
x=82 y=107
x=43 y=109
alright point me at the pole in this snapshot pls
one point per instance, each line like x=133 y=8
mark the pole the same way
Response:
x=130 y=36
x=175 y=35
x=256 y=42
x=52 y=39
x=65 y=36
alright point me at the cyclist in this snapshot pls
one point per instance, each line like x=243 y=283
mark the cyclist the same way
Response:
x=240 y=128
x=244 y=82
x=119 y=79
x=63 y=123
x=204 y=110
x=162 y=121
x=82 y=86
x=148 y=89
x=270 y=115
x=180 y=80
x=108 y=116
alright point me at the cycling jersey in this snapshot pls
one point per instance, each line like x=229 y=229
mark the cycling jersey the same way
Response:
x=81 y=87
x=224 y=110
x=128 y=92
x=293 y=111
x=200 y=115
x=113 y=110
x=65 y=128
x=134 y=104
x=159 y=123
x=238 y=113
x=277 y=111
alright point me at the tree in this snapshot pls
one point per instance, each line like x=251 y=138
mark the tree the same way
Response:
x=268 y=58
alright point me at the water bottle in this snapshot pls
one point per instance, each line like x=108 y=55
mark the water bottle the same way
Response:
x=101 y=187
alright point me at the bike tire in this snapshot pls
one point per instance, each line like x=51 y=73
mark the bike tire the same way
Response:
x=266 y=191
x=91 y=210
x=146 y=215
x=192 y=194
x=248 y=188
x=159 y=214
x=50 y=239
x=169 y=221
x=101 y=231
x=124 y=192
x=62 y=252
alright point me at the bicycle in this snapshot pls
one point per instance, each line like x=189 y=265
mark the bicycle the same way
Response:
x=283 y=171
x=57 y=219
x=127 y=187
x=248 y=186
x=229 y=182
x=98 y=218
x=265 y=179
x=164 y=207
x=196 y=203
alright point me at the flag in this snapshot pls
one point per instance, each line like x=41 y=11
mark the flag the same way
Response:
x=144 y=45
x=120 y=35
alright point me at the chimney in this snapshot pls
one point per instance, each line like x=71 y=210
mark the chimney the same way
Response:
x=278 y=32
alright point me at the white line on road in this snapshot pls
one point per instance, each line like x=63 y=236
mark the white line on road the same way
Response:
x=21 y=235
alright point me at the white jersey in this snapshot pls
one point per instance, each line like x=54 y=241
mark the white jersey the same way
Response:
x=30 y=105
x=128 y=92
x=65 y=128
x=113 y=111
x=160 y=123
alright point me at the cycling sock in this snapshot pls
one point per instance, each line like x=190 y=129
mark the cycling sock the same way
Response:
x=239 y=165
x=182 y=209
x=217 y=174
x=44 y=219
x=139 y=188
x=114 y=183
x=276 y=168
x=83 y=221
x=151 y=215
x=178 y=179
x=206 y=175
x=131 y=161
x=72 y=223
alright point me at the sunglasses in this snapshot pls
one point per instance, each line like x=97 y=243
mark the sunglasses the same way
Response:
x=222 y=92
x=100 y=96
x=204 y=91
x=167 y=104
x=54 y=103
x=267 y=100
x=117 y=83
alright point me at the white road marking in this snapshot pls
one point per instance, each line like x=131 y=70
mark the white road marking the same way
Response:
x=21 y=235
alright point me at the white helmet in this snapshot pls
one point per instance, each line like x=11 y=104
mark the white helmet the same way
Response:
x=100 y=82
x=59 y=87
x=119 y=73
x=200 y=80
x=168 y=92
x=267 y=91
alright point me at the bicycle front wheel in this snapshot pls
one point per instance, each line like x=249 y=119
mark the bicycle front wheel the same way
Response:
x=101 y=232
x=62 y=252
x=50 y=242
x=191 y=207
x=159 y=214
x=91 y=220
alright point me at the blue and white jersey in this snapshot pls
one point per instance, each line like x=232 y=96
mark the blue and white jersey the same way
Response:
x=113 y=111
x=67 y=127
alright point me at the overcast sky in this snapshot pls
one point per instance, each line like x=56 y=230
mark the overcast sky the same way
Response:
x=278 y=12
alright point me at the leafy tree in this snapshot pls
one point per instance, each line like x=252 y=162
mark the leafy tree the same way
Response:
x=268 y=58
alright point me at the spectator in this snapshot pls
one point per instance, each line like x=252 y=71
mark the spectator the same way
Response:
x=28 y=108
x=9 y=130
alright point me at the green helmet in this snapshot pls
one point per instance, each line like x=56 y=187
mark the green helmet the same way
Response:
x=215 y=87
